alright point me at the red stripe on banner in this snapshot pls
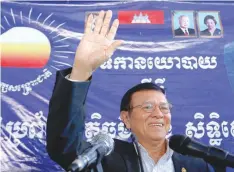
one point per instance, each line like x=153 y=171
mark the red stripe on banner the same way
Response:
x=141 y=17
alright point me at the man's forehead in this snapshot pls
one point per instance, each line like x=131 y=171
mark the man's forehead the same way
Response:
x=185 y=17
x=148 y=95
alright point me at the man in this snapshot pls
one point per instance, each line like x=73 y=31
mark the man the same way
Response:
x=144 y=110
x=184 y=29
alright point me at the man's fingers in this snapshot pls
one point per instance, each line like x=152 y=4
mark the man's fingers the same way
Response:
x=115 y=45
x=106 y=23
x=110 y=50
x=99 y=22
x=113 y=30
x=88 y=24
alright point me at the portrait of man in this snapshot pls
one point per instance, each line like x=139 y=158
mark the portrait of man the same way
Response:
x=182 y=25
x=209 y=24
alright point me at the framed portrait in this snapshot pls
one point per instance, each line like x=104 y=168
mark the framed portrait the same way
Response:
x=209 y=24
x=183 y=24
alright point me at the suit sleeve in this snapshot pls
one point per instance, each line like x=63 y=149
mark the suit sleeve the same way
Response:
x=65 y=122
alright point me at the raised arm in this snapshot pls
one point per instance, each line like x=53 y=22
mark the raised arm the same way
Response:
x=65 y=123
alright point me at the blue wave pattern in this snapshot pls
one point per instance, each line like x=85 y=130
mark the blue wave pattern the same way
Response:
x=229 y=62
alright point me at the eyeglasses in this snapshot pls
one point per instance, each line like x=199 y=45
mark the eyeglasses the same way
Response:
x=149 y=107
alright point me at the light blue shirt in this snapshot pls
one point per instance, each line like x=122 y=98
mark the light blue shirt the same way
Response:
x=164 y=164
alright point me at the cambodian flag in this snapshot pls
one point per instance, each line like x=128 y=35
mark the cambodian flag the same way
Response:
x=141 y=17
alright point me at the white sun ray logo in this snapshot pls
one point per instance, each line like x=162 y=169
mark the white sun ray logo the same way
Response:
x=57 y=36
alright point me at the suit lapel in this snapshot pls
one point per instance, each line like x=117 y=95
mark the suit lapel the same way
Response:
x=132 y=160
x=128 y=153
x=181 y=32
x=178 y=163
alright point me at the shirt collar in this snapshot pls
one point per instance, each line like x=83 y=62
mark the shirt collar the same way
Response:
x=166 y=156
x=183 y=29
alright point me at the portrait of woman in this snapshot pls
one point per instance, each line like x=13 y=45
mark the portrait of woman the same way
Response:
x=211 y=30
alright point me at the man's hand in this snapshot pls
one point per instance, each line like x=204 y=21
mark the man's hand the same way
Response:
x=96 y=46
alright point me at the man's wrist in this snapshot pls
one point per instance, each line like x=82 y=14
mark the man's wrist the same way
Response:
x=80 y=75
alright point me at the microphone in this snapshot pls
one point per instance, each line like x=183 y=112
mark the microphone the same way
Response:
x=213 y=155
x=102 y=144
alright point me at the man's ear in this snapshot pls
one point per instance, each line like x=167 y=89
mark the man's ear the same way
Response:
x=124 y=115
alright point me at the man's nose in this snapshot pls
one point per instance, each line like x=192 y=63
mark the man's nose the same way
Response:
x=157 y=113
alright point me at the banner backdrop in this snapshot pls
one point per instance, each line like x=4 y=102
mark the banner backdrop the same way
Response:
x=195 y=66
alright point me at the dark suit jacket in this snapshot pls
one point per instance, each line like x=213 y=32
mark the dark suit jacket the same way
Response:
x=179 y=32
x=207 y=33
x=65 y=129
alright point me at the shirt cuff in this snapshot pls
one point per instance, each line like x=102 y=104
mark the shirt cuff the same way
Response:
x=73 y=80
